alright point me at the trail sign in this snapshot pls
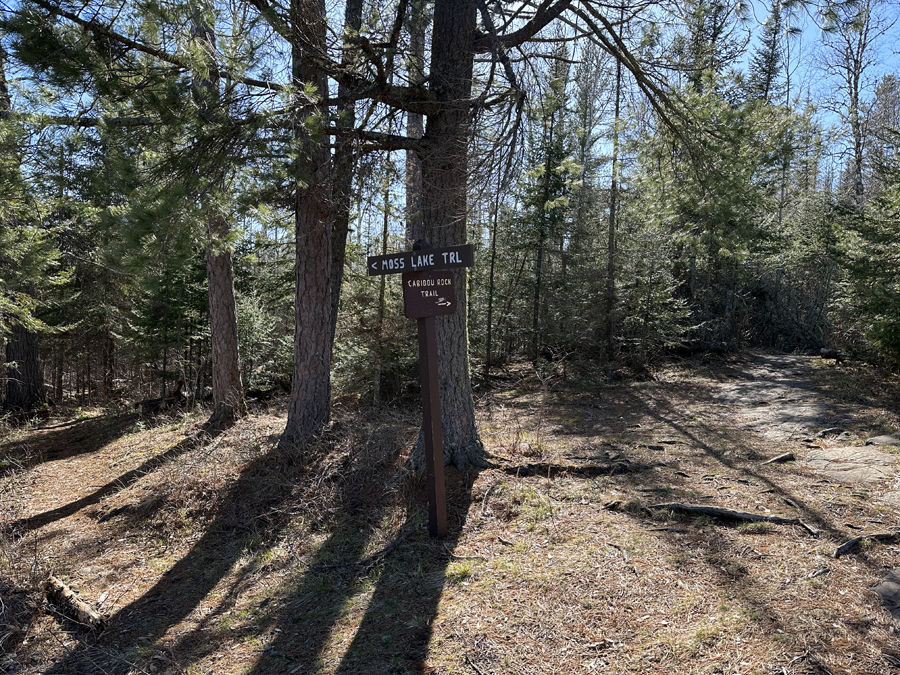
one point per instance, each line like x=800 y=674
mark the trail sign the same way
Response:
x=428 y=294
x=423 y=260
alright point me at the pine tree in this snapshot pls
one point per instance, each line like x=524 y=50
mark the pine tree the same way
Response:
x=709 y=43
x=871 y=252
x=228 y=391
x=851 y=34
x=550 y=185
x=27 y=261
x=766 y=62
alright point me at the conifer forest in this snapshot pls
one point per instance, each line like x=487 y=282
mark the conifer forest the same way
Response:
x=669 y=380
x=190 y=191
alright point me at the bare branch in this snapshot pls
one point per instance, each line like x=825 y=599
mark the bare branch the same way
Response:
x=375 y=140
x=613 y=44
x=497 y=47
x=546 y=12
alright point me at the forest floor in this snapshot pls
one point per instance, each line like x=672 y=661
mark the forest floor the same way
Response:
x=570 y=554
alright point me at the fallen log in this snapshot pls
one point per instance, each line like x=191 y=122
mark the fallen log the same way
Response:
x=786 y=457
x=834 y=354
x=72 y=606
x=152 y=406
x=850 y=544
x=724 y=514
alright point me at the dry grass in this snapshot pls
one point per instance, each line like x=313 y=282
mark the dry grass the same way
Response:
x=224 y=555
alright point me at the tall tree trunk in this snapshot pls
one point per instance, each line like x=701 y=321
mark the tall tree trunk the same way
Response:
x=60 y=369
x=415 y=123
x=25 y=382
x=536 y=300
x=108 y=367
x=228 y=391
x=344 y=170
x=309 y=407
x=539 y=258
x=856 y=128
x=490 y=308
x=444 y=173
x=379 y=326
x=609 y=325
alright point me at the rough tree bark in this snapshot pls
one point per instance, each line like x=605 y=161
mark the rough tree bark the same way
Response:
x=344 y=168
x=415 y=123
x=25 y=383
x=227 y=389
x=310 y=400
x=444 y=174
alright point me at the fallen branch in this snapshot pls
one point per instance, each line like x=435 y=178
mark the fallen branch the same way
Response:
x=68 y=601
x=549 y=470
x=809 y=528
x=786 y=457
x=724 y=514
x=850 y=544
x=474 y=667
x=486 y=495
x=819 y=572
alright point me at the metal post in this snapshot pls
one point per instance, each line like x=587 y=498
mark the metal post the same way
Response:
x=431 y=426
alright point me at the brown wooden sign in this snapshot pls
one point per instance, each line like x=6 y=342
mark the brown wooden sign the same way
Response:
x=422 y=260
x=428 y=294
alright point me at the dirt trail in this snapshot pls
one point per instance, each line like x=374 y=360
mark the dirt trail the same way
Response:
x=779 y=398
x=781 y=402
x=78 y=463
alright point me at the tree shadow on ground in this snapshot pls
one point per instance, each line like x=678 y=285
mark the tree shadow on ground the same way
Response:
x=63 y=440
x=703 y=436
x=398 y=596
x=727 y=564
x=140 y=625
x=303 y=607
x=25 y=525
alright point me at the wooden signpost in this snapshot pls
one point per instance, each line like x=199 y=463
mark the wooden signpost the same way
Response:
x=428 y=292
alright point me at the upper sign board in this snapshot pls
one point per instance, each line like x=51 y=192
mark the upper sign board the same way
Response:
x=423 y=260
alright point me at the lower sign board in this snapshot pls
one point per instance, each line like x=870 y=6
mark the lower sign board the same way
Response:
x=428 y=294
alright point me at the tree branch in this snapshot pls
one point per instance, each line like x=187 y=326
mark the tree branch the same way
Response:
x=612 y=43
x=497 y=47
x=278 y=24
x=546 y=12
x=376 y=140
x=99 y=29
